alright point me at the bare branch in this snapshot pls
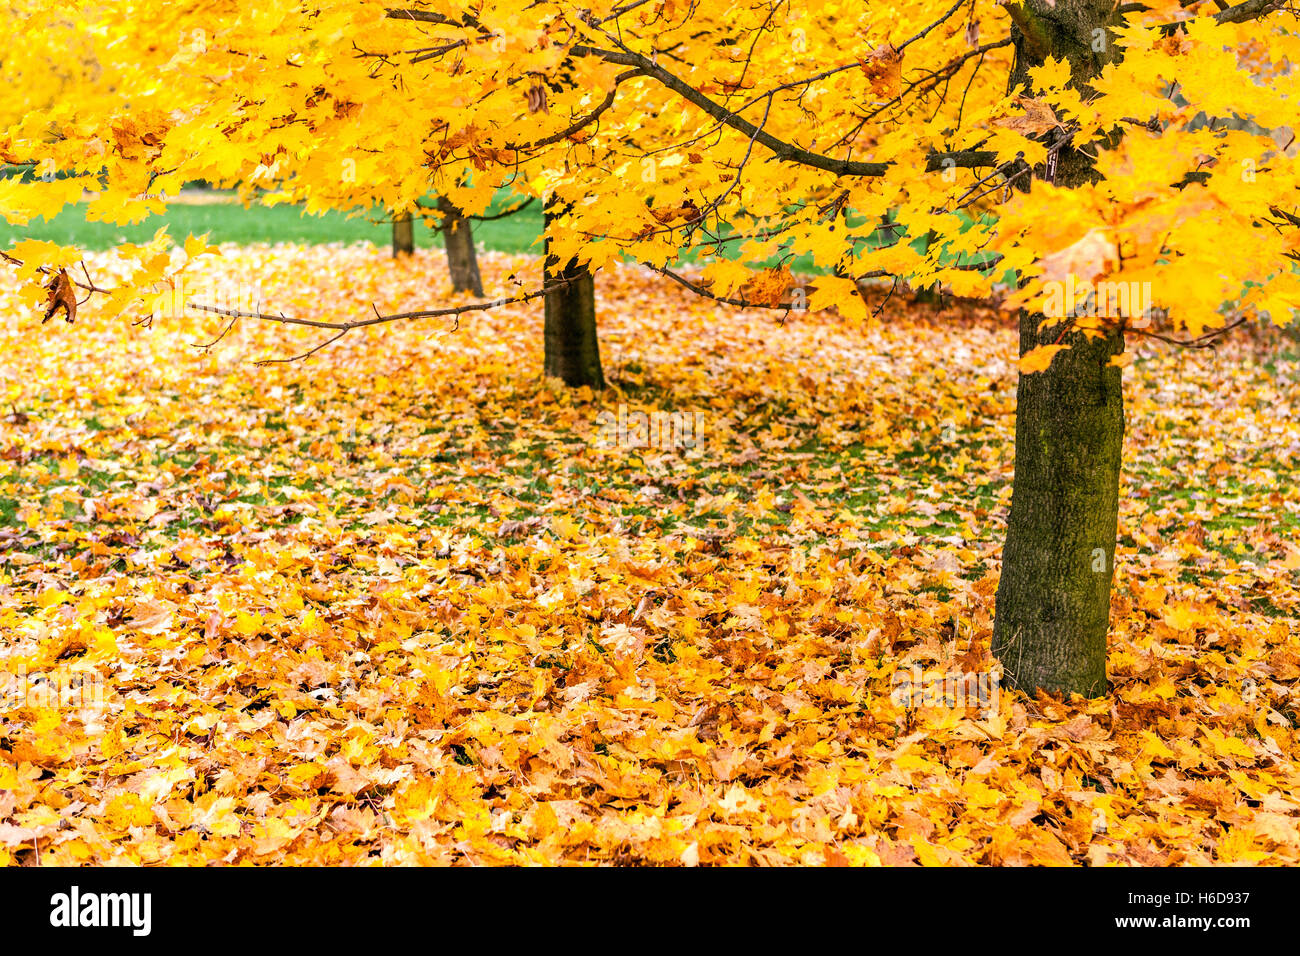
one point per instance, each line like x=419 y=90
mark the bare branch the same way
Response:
x=743 y=303
x=302 y=355
x=1206 y=341
x=378 y=318
x=1250 y=10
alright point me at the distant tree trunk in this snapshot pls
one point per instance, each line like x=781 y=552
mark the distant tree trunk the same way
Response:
x=458 y=238
x=403 y=235
x=572 y=351
x=1053 y=599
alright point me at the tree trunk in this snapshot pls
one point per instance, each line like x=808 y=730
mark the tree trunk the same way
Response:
x=572 y=351
x=458 y=238
x=403 y=235
x=1053 y=599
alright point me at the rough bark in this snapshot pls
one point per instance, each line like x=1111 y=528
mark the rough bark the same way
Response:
x=458 y=239
x=572 y=350
x=403 y=236
x=1053 y=599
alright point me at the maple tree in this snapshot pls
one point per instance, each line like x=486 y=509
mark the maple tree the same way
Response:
x=1072 y=143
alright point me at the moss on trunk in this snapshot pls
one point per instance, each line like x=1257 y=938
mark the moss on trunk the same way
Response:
x=1053 y=600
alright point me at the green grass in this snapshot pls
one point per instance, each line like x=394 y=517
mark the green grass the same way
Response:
x=231 y=222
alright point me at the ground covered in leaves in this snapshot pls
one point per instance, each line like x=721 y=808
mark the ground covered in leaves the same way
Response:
x=398 y=604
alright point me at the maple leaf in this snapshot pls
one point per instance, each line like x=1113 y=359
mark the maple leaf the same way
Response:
x=63 y=296
x=768 y=287
x=883 y=69
x=1090 y=257
x=153 y=616
x=1037 y=117
x=1039 y=358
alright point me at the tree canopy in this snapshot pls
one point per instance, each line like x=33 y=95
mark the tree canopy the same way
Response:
x=885 y=143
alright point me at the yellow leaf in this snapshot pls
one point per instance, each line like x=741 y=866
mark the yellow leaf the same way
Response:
x=1038 y=359
x=198 y=246
x=839 y=293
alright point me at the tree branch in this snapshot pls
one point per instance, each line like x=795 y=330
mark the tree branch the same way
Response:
x=782 y=150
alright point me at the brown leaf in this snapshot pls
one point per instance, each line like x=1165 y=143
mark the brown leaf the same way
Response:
x=62 y=296
x=884 y=69
x=537 y=98
x=1037 y=118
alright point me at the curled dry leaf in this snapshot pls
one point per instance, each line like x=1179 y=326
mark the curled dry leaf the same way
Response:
x=62 y=295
